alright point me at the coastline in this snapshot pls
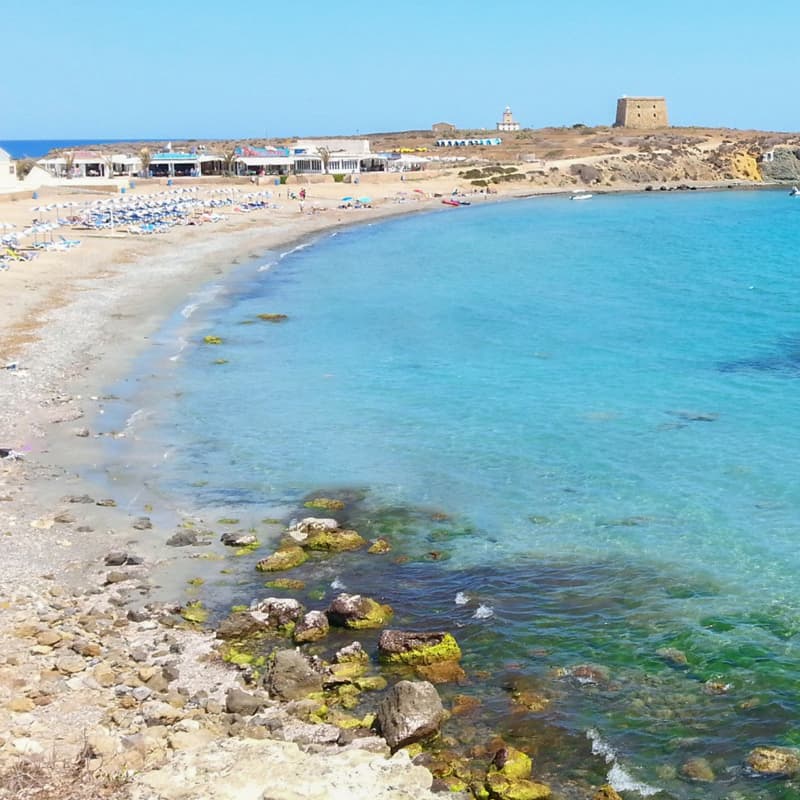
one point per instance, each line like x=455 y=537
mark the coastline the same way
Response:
x=93 y=321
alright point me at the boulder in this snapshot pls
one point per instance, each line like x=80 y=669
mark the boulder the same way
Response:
x=278 y=613
x=240 y=625
x=511 y=763
x=351 y=652
x=500 y=787
x=299 y=531
x=291 y=676
x=698 y=769
x=410 y=647
x=238 y=538
x=238 y=701
x=607 y=792
x=285 y=558
x=357 y=612
x=410 y=712
x=774 y=760
x=312 y=627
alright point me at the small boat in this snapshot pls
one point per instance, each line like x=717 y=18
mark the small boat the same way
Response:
x=795 y=192
x=449 y=202
x=580 y=196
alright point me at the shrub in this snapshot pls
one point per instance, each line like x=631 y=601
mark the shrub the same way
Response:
x=283 y=179
x=480 y=183
x=338 y=177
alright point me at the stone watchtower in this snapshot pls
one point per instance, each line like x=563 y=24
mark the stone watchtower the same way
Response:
x=641 y=112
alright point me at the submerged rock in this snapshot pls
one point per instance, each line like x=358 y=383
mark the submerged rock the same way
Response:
x=410 y=712
x=698 y=769
x=783 y=761
x=413 y=648
x=335 y=541
x=511 y=763
x=327 y=503
x=238 y=538
x=277 y=613
x=356 y=612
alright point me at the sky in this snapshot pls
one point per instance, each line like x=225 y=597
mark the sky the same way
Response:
x=176 y=69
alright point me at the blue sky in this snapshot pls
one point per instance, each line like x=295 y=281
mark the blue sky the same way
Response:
x=118 y=69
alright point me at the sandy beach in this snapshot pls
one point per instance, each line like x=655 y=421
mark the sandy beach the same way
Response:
x=73 y=320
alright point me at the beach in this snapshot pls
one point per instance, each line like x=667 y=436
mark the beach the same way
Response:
x=73 y=321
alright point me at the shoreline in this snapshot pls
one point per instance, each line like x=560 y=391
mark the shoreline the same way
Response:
x=93 y=324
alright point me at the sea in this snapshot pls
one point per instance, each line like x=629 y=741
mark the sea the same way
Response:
x=576 y=425
x=39 y=148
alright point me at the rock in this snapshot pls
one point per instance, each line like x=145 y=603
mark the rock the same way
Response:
x=502 y=788
x=238 y=538
x=410 y=647
x=352 y=652
x=511 y=763
x=285 y=558
x=673 y=656
x=104 y=675
x=70 y=665
x=240 y=625
x=155 y=712
x=313 y=525
x=20 y=705
x=291 y=676
x=65 y=518
x=107 y=503
x=441 y=672
x=313 y=627
x=49 y=637
x=326 y=503
x=698 y=769
x=774 y=760
x=410 y=712
x=116 y=558
x=277 y=612
x=142 y=693
x=305 y=733
x=142 y=524
x=606 y=792
x=357 y=612
x=74 y=498
x=115 y=576
x=238 y=701
x=379 y=546
x=182 y=538
x=82 y=432
x=190 y=740
x=333 y=541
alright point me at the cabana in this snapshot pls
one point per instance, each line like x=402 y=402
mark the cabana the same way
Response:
x=492 y=141
x=184 y=165
x=262 y=161
x=123 y=165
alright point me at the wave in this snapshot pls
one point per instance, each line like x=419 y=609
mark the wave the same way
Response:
x=618 y=777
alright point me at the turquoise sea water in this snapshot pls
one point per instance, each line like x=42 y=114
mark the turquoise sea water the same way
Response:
x=580 y=415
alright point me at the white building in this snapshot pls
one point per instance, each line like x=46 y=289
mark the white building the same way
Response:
x=508 y=123
x=336 y=156
x=8 y=171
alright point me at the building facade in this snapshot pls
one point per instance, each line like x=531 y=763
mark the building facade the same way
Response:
x=641 y=112
x=508 y=123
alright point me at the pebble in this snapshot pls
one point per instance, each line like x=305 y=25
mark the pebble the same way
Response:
x=71 y=664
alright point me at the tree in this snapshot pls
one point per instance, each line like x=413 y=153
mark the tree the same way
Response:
x=229 y=161
x=325 y=155
x=144 y=155
x=69 y=163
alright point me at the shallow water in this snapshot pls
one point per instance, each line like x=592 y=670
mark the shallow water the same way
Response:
x=600 y=399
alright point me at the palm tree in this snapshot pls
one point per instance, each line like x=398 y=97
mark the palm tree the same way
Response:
x=69 y=163
x=325 y=155
x=229 y=161
x=144 y=155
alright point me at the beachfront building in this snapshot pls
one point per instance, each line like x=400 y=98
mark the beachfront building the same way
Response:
x=491 y=141
x=8 y=171
x=77 y=164
x=170 y=164
x=262 y=161
x=336 y=156
x=509 y=123
x=641 y=112
x=443 y=128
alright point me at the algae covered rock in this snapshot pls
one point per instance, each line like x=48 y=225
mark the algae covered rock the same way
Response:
x=511 y=763
x=379 y=546
x=607 y=792
x=212 y=339
x=313 y=627
x=502 y=788
x=327 y=503
x=334 y=541
x=240 y=625
x=410 y=712
x=277 y=613
x=355 y=611
x=285 y=558
x=441 y=672
x=774 y=760
x=272 y=317
x=413 y=648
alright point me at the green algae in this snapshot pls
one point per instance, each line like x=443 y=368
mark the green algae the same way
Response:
x=212 y=339
x=246 y=549
x=285 y=558
x=194 y=612
x=327 y=503
x=290 y=584
x=228 y=521
x=335 y=541
x=272 y=317
x=445 y=650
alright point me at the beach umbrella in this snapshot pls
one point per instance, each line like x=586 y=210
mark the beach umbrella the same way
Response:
x=365 y=200
x=345 y=199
